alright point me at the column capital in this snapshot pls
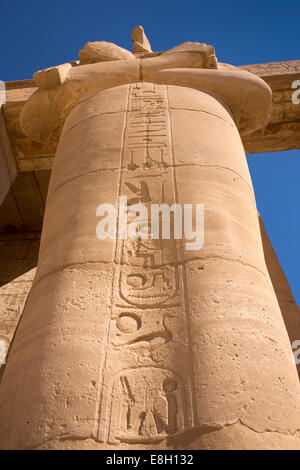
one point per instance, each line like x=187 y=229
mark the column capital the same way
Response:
x=104 y=65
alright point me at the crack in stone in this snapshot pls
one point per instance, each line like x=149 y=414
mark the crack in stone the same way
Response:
x=63 y=134
x=177 y=165
x=214 y=166
x=178 y=263
x=74 y=437
x=205 y=112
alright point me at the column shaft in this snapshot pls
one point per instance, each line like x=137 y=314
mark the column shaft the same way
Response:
x=129 y=343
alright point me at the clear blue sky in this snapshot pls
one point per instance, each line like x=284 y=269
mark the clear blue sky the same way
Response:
x=37 y=34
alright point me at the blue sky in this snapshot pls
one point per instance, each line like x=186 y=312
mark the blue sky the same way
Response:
x=37 y=34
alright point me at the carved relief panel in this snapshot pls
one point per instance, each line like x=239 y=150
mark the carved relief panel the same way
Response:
x=146 y=389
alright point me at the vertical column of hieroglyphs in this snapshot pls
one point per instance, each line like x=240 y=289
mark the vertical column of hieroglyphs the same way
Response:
x=146 y=389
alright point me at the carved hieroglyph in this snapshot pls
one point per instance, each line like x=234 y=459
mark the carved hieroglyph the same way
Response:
x=148 y=311
x=139 y=342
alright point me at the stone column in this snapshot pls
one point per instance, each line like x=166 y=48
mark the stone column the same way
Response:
x=134 y=344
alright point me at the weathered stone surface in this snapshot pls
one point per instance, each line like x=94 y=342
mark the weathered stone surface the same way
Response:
x=18 y=255
x=173 y=348
x=18 y=260
x=274 y=70
x=203 y=339
x=29 y=155
x=282 y=133
x=140 y=40
x=52 y=76
x=102 y=51
x=19 y=90
x=184 y=67
x=210 y=60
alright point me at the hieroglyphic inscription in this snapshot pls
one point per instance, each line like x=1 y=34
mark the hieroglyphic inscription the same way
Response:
x=273 y=68
x=146 y=386
x=148 y=402
x=146 y=144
